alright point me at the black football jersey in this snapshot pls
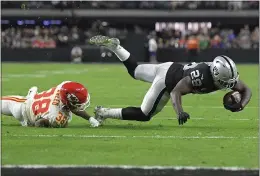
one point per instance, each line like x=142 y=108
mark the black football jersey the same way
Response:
x=173 y=76
x=201 y=77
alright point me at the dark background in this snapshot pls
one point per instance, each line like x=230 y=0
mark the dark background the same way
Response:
x=92 y=54
x=122 y=16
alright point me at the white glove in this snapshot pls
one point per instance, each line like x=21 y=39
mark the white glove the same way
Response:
x=24 y=123
x=93 y=122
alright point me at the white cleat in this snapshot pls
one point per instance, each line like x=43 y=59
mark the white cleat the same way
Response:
x=32 y=91
x=110 y=43
x=99 y=114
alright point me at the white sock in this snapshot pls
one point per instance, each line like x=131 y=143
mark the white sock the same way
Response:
x=113 y=113
x=121 y=53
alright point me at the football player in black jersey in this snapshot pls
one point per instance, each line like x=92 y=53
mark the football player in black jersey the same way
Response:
x=171 y=81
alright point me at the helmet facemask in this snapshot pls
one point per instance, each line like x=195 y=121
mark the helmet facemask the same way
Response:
x=73 y=102
x=226 y=84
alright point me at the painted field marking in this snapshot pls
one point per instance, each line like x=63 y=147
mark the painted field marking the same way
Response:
x=165 y=118
x=45 y=73
x=121 y=136
x=234 y=168
x=203 y=107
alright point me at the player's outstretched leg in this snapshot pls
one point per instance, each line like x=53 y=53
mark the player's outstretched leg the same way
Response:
x=154 y=101
x=128 y=113
x=13 y=106
x=144 y=72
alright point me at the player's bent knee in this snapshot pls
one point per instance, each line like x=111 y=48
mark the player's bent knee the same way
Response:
x=143 y=117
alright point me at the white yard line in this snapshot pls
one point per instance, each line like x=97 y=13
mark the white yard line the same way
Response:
x=165 y=118
x=203 y=107
x=121 y=136
x=235 y=168
x=44 y=73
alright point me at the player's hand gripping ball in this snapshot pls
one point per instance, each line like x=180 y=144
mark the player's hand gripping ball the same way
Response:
x=232 y=101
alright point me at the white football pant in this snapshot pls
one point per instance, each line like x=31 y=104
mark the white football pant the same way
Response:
x=14 y=106
x=157 y=96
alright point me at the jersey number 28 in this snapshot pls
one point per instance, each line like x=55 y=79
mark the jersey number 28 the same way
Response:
x=195 y=78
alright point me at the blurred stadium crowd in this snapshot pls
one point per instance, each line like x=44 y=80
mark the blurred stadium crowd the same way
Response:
x=59 y=36
x=210 y=38
x=170 y=5
x=55 y=36
x=52 y=36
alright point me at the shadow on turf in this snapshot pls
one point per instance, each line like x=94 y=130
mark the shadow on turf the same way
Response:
x=146 y=127
x=159 y=127
x=127 y=127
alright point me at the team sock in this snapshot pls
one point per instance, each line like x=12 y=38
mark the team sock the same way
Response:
x=115 y=113
x=121 y=53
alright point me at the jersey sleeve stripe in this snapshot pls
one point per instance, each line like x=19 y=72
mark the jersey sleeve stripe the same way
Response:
x=14 y=99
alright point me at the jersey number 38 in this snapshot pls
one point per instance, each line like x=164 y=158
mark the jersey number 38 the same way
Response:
x=42 y=102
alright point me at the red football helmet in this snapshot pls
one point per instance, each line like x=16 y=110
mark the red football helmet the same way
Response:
x=75 y=95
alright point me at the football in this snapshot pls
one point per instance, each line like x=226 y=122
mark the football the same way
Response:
x=231 y=98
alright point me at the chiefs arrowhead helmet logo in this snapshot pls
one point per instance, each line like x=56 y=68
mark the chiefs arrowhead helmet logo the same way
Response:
x=72 y=98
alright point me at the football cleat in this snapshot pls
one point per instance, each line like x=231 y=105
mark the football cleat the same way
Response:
x=32 y=91
x=99 y=40
x=99 y=114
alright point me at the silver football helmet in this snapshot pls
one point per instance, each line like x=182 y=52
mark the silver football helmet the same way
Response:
x=224 y=72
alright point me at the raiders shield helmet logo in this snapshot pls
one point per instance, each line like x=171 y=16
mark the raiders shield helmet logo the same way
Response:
x=215 y=71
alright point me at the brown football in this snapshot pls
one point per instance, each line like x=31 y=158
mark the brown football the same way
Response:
x=231 y=98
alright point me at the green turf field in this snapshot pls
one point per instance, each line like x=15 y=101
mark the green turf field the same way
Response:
x=212 y=137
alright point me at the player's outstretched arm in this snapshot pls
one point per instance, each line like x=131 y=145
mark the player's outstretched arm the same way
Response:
x=183 y=87
x=86 y=116
x=42 y=123
x=245 y=92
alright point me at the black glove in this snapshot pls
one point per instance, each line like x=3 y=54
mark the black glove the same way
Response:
x=234 y=108
x=183 y=117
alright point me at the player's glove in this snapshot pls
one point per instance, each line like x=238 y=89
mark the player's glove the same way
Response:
x=183 y=117
x=234 y=108
x=93 y=122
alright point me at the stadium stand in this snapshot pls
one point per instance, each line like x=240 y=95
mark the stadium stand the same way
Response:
x=159 y=5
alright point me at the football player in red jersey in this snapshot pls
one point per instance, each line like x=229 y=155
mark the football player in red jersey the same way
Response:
x=51 y=108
